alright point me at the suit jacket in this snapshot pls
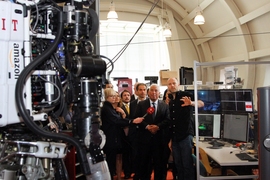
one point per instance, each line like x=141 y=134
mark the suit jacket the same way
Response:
x=133 y=98
x=161 y=120
x=132 y=127
x=132 y=108
x=125 y=110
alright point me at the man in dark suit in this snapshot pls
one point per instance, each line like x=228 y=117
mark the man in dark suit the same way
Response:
x=141 y=89
x=141 y=92
x=150 y=135
x=127 y=141
x=133 y=130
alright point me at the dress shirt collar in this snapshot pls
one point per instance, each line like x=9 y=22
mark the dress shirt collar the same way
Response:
x=151 y=102
x=126 y=103
x=135 y=96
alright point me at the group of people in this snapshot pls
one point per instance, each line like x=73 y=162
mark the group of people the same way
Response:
x=143 y=128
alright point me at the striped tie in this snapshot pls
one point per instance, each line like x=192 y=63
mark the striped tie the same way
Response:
x=127 y=108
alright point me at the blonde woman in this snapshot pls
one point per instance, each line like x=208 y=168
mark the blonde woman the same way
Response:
x=113 y=118
x=118 y=103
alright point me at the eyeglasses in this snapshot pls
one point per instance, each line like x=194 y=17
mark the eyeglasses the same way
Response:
x=113 y=96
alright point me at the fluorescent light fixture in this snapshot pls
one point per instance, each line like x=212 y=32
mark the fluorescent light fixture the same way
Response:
x=199 y=19
x=167 y=33
x=167 y=30
x=112 y=15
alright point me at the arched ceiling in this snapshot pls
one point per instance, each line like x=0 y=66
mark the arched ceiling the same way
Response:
x=235 y=30
x=246 y=19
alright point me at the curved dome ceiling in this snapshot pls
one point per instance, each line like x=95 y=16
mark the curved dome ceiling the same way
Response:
x=246 y=21
x=234 y=30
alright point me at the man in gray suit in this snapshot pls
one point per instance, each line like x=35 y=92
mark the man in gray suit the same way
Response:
x=150 y=135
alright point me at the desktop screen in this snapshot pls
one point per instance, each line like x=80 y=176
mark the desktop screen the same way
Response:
x=236 y=100
x=211 y=99
x=186 y=76
x=209 y=125
x=236 y=127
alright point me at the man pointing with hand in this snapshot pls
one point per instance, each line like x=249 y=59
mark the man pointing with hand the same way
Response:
x=182 y=128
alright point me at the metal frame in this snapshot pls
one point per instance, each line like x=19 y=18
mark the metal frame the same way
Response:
x=198 y=64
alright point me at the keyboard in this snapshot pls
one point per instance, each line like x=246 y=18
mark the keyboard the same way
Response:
x=245 y=156
x=216 y=143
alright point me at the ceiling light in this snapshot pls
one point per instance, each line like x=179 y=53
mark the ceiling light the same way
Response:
x=199 y=19
x=167 y=30
x=112 y=15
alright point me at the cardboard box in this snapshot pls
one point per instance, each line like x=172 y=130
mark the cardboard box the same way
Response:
x=163 y=82
x=165 y=75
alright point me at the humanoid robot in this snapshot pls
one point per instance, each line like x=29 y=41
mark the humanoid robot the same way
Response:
x=47 y=62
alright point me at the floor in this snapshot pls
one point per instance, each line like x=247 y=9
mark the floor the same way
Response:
x=169 y=176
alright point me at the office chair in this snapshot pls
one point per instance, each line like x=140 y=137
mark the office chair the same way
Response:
x=213 y=171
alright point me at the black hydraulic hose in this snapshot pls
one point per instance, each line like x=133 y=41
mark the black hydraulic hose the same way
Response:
x=61 y=94
x=109 y=72
x=26 y=116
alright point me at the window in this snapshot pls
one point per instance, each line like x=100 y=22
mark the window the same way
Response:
x=146 y=55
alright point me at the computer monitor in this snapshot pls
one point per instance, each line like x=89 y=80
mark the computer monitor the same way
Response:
x=186 y=75
x=211 y=99
x=209 y=125
x=236 y=100
x=236 y=127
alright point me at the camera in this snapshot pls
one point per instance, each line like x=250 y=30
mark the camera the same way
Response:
x=170 y=96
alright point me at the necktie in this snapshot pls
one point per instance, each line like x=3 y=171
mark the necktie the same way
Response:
x=126 y=129
x=127 y=108
x=154 y=106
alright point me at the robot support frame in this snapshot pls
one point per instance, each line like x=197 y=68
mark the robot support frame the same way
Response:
x=47 y=64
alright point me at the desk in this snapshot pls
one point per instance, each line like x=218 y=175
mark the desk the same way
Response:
x=225 y=157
